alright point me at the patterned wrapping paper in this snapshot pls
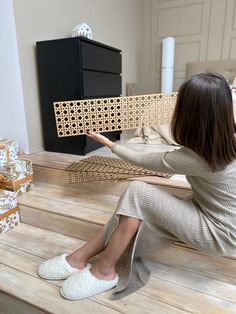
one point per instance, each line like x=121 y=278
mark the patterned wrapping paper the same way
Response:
x=17 y=176
x=9 y=220
x=8 y=201
x=9 y=213
x=8 y=150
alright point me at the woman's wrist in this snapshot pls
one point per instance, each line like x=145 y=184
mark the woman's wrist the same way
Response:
x=109 y=143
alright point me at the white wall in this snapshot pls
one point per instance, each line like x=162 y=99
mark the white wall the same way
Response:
x=204 y=30
x=12 y=111
x=144 y=49
x=114 y=22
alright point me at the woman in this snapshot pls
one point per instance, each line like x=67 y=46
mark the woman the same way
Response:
x=148 y=219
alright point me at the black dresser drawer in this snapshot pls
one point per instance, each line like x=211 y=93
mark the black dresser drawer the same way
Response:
x=99 y=84
x=71 y=69
x=99 y=58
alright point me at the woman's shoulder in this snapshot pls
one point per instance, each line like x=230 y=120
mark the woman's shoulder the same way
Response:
x=188 y=154
x=186 y=161
x=185 y=152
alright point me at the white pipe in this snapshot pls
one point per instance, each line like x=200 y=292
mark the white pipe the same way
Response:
x=167 y=68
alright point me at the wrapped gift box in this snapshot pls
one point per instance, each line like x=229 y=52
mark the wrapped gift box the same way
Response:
x=8 y=201
x=17 y=176
x=9 y=213
x=9 y=220
x=8 y=150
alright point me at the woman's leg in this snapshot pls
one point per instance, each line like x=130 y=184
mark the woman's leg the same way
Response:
x=79 y=258
x=104 y=268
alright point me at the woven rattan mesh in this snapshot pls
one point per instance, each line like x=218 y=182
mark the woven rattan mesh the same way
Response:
x=97 y=168
x=112 y=114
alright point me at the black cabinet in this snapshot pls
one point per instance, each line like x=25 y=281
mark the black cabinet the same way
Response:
x=71 y=69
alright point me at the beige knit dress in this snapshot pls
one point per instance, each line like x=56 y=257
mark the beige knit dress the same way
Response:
x=205 y=221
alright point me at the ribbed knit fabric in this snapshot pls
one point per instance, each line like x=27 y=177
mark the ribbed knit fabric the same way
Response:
x=205 y=221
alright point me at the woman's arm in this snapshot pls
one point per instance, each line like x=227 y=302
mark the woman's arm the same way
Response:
x=151 y=161
x=179 y=161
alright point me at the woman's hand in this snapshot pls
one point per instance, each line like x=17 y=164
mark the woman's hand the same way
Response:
x=100 y=138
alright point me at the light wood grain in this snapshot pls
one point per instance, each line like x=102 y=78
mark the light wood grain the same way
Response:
x=43 y=295
x=187 y=299
x=58 y=223
x=61 y=207
x=10 y=305
x=183 y=280
x=219 y=268
x=49 y=167
x=56 y=158
x=166 y=290
x=199 y=282
x=27 y=263
x=57 y=176
x=74 y=196
x=44 y=236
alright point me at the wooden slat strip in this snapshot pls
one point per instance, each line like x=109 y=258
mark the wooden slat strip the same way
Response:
x=43 y=295
x=184 y=259
x=24 y=262
x=43 y=235
x=58 y=223
x=189 y=300
x=61 y=207
x=163 y=291
x=198 y=282
x=218 y=268
x=59 y=177
x=11 y=305
x=74 y=196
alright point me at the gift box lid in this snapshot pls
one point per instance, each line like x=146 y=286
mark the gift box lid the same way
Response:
x=8 y=150
x=16 y=170
x=5 y=142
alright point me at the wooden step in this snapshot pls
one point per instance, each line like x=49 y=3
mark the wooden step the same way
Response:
x=66 y=210
x=58 y=217
x=182 y=281
x=77 y=210
x=50 y=168
x=59 y=177
x=69 y=211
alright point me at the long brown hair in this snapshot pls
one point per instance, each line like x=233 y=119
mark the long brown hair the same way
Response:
x=203 y=119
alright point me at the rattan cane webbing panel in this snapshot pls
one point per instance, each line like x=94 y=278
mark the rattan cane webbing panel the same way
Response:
x=112 y=114
x=103 y=164
x=97 y=168
x=92 y=167
x=86 y=176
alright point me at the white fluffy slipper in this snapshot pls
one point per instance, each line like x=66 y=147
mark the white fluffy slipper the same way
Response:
x=83 y=285
x=57 y=268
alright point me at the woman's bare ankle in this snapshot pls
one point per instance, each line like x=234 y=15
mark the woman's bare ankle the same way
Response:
x=75 y=262
x=103 y=272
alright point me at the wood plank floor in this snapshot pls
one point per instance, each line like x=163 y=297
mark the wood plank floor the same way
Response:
x=182 y=281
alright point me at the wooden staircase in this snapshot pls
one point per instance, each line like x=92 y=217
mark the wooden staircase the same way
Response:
x=57 y=218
